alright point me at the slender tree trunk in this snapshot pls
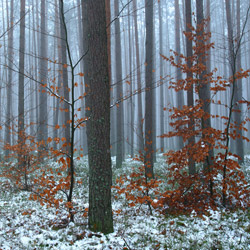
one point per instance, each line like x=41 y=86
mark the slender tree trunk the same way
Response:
x=190 y=94
x=180 y=96
x=149 y=163
x=43 y=75
x=9 y=83
x=119 y=91
x=21 y=81
x=238 y=96
x=66 y=90
x=138 y=66
x=204 y=92
x=131 y=100
x=161 y=76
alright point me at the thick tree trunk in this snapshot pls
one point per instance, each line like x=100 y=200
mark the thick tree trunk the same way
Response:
x=98 y=126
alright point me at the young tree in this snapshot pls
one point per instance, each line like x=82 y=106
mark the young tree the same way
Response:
x=98 y=125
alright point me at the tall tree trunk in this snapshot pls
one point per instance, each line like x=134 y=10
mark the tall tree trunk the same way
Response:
x=190 y=94
x=9 y=83
x=161 y=76
x=238 y=95
x=204 y=91
x=149 y=163
x=180 y=96
x=131 y=100
x=98 y=125
x=21 y=81
x=66 y=113
x=43 y=74
x=119 y=90
x=138 y=72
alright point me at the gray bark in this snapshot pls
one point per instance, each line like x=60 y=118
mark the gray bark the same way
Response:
x=148 y=157
x=43 y=75
x=9 y=83
x=190 y=95
x=119 y=91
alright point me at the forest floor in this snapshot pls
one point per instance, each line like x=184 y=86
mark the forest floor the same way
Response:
x=26 y=224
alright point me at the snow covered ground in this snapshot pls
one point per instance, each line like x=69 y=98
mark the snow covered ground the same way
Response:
x=25 y=224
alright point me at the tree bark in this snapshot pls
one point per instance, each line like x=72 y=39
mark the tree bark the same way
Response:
x=148 y=157
x=9 y=83
x=190 y=94
x=180 y=96
x=21 y=80
x=66 y=113
x=119 y=91
x=138 y=73
x=98 y=126
x=43 y=75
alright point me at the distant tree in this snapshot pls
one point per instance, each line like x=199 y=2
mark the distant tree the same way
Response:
x=65 y=92
x=148 y=155
x=180 y=96
x=161 y=76
x=21 y=77
x=43 y=75
x=138 y=78
x=119 y=91
x=10 y=21
x=190 y=91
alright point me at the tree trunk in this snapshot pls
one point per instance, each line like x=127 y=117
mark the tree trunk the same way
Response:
x=190 y=95
x=161 y=75
x=138 y=72
x=238 y=96
x=21 y=80
x=119 y=91
x=148 y=157
x=180 y=96
x=66 y=113
x=9 y=83
x=98 y=126
x=43 y=74
x=204 y=92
